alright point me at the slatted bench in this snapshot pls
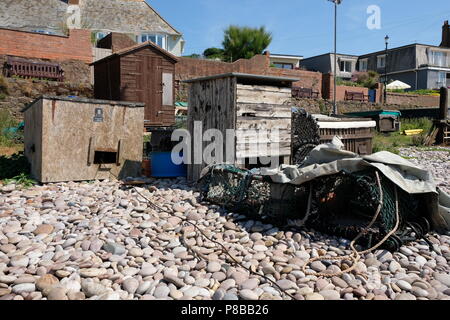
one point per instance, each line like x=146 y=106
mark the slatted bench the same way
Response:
x=30 y=69
x=298 y=92
x=356 y=96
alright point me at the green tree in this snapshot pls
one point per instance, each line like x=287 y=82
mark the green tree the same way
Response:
x=213 y=53
x=245 y=42
x=194 y=56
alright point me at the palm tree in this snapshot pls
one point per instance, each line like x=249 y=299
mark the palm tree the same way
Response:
x=245 y=42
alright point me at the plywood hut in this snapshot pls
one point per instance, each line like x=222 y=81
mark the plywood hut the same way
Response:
x=143 y=73
x=75 y=139
x=243 y=103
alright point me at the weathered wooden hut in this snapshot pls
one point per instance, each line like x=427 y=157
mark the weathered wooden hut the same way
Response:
x=248 y=104
x=144 y=73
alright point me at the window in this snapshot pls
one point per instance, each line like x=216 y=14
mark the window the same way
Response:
x=442 y=79
x=158 y=39
x=345 y=66
x=438 y=58
x=281 y=65
x=100 y=35
x=381 y=61
x=363 y=64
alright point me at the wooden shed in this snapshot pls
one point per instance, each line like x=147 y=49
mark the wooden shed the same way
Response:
x=74 y=139
x=143 y=73
x=244 y=103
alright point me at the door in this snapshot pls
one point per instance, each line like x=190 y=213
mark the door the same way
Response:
x=152 y=79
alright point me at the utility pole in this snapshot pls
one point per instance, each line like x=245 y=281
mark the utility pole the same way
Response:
x=336 y=3
x=386 y=41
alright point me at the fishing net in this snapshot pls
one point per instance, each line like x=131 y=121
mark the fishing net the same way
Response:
x=305 y=135
x=342 y=204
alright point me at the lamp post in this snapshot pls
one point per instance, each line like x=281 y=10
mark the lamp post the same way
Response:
x=386 y=41
x=336 y=3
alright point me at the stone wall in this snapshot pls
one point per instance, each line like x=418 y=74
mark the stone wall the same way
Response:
x=76 y=46
x=326 y=106
x=413 y=99
x=75 y=71
x=23 y=91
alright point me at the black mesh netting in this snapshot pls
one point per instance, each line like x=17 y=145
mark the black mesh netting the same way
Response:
x=342 y=204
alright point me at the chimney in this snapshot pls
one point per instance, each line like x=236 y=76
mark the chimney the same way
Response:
x=74 y=2
x=445 y=35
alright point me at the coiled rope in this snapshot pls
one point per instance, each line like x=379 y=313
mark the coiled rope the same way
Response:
x=355 y=256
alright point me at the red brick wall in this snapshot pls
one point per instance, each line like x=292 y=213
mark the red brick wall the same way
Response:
x=412 y=99
x=188 y=68
x=76 y=46
x=328 y=92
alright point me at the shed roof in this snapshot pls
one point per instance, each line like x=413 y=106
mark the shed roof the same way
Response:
x=85 y=100
x=137 y=47
x=246 y=76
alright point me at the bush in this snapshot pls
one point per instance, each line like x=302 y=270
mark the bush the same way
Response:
x=7 y=137
x=3 y=87
x=419 y=123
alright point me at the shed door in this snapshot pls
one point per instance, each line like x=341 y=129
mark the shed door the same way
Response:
x=152 y=90
x=167 y=89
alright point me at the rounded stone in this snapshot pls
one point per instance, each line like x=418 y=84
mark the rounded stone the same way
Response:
x=246 y=294
x=46 y=281
x=214 y=266
x=130 y=285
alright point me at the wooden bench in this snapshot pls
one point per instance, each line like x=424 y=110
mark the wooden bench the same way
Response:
x=356 y=96
x=304 y=93
x=30 y=69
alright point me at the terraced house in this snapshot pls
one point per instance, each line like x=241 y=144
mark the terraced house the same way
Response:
x=422 y=66
x=135 y=18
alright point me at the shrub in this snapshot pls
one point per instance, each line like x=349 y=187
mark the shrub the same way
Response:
x=3 y=87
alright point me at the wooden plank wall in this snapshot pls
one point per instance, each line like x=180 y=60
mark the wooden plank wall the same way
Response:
x=262 y=108
x=213 y=103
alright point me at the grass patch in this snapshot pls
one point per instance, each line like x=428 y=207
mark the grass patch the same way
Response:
x=9 y=139
x=392 y=142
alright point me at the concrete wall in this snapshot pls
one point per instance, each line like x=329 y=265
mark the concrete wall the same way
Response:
x=76 y=46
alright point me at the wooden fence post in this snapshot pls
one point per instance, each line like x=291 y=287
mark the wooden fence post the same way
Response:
x=444 y=104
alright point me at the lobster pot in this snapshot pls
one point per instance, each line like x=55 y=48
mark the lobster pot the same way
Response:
x=74 y=139
x=250 y=111
x=355 y=134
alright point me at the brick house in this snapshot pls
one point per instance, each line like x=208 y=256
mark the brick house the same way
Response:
x=136 y=18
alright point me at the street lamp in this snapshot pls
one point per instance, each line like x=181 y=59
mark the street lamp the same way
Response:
x=336 y=3
x=386 y=41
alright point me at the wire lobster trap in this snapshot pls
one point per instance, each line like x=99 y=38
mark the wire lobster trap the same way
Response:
x=341 y=204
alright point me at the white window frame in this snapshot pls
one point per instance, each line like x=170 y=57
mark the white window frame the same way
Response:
x=379 y=59
x=441 y=61
x=160 y=39
x=365 y=63
x=350 y=62
x=442 y=80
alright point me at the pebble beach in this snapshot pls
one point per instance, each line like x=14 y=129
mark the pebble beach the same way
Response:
x=100 y=241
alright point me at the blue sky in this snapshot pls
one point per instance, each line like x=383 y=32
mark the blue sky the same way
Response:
x=305 y=27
